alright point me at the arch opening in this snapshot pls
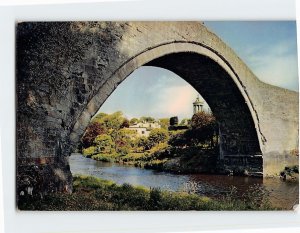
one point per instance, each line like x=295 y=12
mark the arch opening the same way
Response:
x=239 y=144
x=237 y=129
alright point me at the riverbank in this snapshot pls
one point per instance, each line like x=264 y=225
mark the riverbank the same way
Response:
x=91 y=193
x=175 y=160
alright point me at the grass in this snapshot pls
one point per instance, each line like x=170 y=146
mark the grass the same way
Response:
x=91 y=193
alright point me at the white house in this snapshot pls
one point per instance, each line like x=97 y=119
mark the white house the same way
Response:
x=144 y=128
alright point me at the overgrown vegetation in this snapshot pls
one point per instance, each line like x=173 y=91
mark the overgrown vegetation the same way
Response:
x=91 y=193
x=290 y=173
x=110 y=138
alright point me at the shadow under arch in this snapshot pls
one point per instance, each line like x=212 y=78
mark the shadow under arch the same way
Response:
x=211 y=75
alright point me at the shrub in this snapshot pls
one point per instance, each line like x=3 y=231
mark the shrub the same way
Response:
x=89 y=151
x=155 y=198
x=104 y=157
x=158 y=147
x=292 y=172
x=257 y=197
x=158 y=136
x=92 y=131
x=104 y=143
x=125 y=123
x=142 y=142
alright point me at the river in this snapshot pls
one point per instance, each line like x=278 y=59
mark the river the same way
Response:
x=282 y=194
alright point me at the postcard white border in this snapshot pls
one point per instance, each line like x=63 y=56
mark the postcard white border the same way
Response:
x=32 y=222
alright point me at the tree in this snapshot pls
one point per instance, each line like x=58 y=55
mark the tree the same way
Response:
x=203 y=128
x=110 y=121
x=133 y=121
x=158 y=136
x=179 y=139
x=147 y=119
x=92 y=131
x=202 y=119
x=164 y=123
x=123 y=141
x=142 y=142
x=125 y=123
x=99 y=116
x=104 y=143
x=114 y=121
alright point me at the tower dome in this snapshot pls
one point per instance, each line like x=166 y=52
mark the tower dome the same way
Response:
x=198 y=105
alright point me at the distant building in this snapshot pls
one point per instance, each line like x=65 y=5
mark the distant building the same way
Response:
x=198 y=105
x=144 y=128
x=141 y=131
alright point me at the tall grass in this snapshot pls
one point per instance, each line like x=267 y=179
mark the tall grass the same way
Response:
x=91 y=193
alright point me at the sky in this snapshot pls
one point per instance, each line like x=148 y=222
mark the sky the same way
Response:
x=269 y=49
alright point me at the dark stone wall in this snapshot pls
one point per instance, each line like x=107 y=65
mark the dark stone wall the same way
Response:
x=60 y=66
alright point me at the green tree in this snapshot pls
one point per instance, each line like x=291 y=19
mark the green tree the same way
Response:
x=88 y=152
x=125 y=123
x=179 y=139
x=142 y=142
x=203 y=128
x=133 y=121
x=164 y=123
x=123 y=141
x=103 y=123
x=147 y=119
x=99 y=116
x=104 y=143
x=110 y=121
x=114 y=121
x=158 y=136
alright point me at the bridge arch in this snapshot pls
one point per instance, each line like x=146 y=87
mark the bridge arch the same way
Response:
x=66 y=70
x=211 y=63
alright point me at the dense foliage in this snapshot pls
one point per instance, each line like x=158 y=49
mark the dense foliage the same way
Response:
x=109 y=138
x=202 y=133
x=164 y=123
x=92 y=131
x=204 y=127
x=157 y=136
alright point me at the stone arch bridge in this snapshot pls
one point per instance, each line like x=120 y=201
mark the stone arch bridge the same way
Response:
x=66 y=70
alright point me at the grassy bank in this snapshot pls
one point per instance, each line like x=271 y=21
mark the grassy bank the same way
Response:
x=91 y=193
x=165 y=158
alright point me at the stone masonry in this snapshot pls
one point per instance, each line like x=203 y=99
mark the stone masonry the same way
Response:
x=66 y=70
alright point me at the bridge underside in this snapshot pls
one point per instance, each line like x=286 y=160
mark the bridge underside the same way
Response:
x=238 y=133
x=238 y=139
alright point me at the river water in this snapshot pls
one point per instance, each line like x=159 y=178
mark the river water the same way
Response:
x=282 y=194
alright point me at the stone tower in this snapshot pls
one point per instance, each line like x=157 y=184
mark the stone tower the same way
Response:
x=198 y=105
